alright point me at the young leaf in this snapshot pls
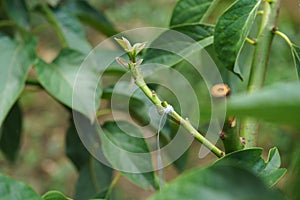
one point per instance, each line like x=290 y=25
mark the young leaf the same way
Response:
x=59 y=77
x=189 y=11
x=231 y=31
x=251 y=159
x=87 y=14
x=10 y=133
x=18 y=11
x=283 y=109
x=15 y=61
x=296 y=58
x=128 y=152
x=188 y=39
x=54 y=195
x=12 y=189
x=217 y=182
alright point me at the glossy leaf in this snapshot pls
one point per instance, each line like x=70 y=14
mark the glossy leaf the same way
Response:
x=15 y=61
x=59 y=77
x=18 y=12
x=10 y=133
x=72 y=30
x=251 y=159
x=279 y=103
x=128 y=151
x=54 y=195
x=12 y=189
x=186 y=41
x=296 y=57
x=91 y=16
x=231 y=31
x=217 y=182
x=189 y=11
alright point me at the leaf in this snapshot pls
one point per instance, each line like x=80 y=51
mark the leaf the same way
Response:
x=59 y=77
x=296 y=58
x=231 y=31
x=189 y=11
x=217 y=182
x=94 y=177
x=137 y=104
x=54 y=195
x=75 y=150
x=278 y=103
x=172 y=47
x=18 y=11
x=12 y=189
x=72 y=30
x=10 y=133
x=91 y=16
x=251 y=159
x=127 y=151
x=15 y=61
x=140 y=109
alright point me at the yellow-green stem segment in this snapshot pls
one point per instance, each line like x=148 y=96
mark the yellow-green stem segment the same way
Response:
x=139 y=80
x=249 y=126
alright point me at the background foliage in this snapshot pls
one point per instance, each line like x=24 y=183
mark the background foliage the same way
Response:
x=37 y=156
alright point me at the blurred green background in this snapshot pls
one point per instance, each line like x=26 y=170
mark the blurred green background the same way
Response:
x=42 y=162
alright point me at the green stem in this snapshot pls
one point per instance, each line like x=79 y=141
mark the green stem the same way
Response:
x=249 y=127
x=112 y=185
x=7 y=23
x=250 y=41
x=161 y=105
x=285 y=37
x=103 y=112
x=52 y=20
x=230 y=136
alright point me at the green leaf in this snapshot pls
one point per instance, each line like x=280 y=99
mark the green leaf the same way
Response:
x=10 y=133
x=91 y=16
x=162 y=50
x=72 y=30
x=138 y=103
x=75 y=150
x=94 y=178
x=189 y=11
x=251 y=159
x=12 y=189
x=15 y=61
x=217 y=182
x=54 y=195
x=59 y=77
x=139 y=108
x=18 y=11
x=279 y=103
x=231 y=31
x=125 y=148
x=167 y=134
x=296 y=58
